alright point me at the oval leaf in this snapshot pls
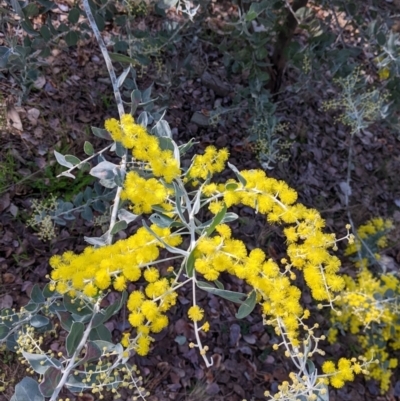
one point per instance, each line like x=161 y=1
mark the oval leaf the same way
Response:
x=118 y=226
x=216 y=220
x=61 y=160
x=74 y=337
x=38 y=321
x=104 y=170
x=88 y=148
x=247 y=306
x=50 y=381
x=101 y=133
x=28 y=390
x=229 y=295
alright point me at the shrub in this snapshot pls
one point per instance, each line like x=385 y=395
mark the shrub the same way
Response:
x=369 y=303
x=151 y=181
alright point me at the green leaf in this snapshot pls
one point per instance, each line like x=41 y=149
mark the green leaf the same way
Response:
x=17 y=8
x=73 y=16
x=251 y=15
x=231 y=186
x=118 y=226
x=45 y=32
x=216 y=220
x=162 y=129
x=310 y=367
x=38 y=321
x=123 y=214
x=31 y=10
x=4 y=54
x=74 y=337
x=111 y=310
x=50 y=381
x=4 y=330
x=104 y=170
x=147 y=93
x=93 y=353
x=88 y=148
x=247 y=306
x=230 y=217
x=219 y=284
x=121 y=58
x=100 y=333
x=72 y=38
x=190 y=263
x=166 y=4
x=161 y=220
x=28 y=27
x=122 y=77
x=48 y=292
x=136 y=98
x=233 y=296
x=75 y=306
x=178 y=196
x=72 y=159
x=65 y=320
x=101 y=133
x=108 y=346
x=28 y=390
x=48 y=5
x=168 y=247
x=37 y=295
x=99 y=21
x=143 y=119
x=61 y=160
x=11 y=343
x=237 y=173
x=40 y=363
x=165 y=143
x=381 y=38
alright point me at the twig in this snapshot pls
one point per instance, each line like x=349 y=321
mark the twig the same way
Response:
x=72 y=360
x=64 y=173
x=106 y=56
x=118 y=99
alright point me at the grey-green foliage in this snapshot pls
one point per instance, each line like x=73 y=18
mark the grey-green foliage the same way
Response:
x=21 y=331
x=110 y=175
x=23 y=60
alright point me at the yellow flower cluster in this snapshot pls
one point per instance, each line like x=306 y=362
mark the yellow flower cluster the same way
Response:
x=369 y=304
x=369 y=309
x=279 y=298
x=213 y=161
x=375 y=229
x=382 y=370
x=308 y=248
x=195 y=313
x=344 y=371
x=145 y=147
x=148 y=315
x=96 y=269
x=144 y=193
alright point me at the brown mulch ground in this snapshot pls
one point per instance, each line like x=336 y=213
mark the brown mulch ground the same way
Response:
x=74 y=96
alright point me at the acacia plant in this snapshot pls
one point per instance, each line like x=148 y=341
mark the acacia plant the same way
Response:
x=151 y=181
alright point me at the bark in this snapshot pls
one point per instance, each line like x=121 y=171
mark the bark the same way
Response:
x=284 y=38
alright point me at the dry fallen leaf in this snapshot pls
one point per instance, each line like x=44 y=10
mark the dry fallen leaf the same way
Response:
x=6 y=302
x=13 y=119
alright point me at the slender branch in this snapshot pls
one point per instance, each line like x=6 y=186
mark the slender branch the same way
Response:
x=106 y=56
x=72 y=360
x=118 y=99
x=84 y=161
